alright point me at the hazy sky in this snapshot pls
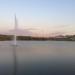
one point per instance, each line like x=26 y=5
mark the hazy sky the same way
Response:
x=44 y=16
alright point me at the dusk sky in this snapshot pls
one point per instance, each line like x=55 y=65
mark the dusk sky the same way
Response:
x=39 y=16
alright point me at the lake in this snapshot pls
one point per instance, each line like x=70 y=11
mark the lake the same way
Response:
x=38 y=58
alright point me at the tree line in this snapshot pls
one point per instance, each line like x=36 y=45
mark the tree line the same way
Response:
x=63 y=38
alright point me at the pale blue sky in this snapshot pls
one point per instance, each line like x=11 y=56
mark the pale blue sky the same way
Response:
x=45 y=15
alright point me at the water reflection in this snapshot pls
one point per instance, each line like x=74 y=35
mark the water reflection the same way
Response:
x=38 y=58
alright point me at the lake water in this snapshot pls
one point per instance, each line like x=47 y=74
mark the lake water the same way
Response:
x=38 y=58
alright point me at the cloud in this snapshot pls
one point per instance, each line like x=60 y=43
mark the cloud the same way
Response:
x=19 y=32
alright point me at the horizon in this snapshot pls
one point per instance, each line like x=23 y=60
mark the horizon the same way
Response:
x=40 y=17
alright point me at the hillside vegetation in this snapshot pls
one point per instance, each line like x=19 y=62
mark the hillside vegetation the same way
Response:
x=57 y=38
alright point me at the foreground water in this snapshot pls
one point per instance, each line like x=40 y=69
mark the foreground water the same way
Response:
x=38 y=58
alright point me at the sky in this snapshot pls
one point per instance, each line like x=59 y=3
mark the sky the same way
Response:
x=42 y=17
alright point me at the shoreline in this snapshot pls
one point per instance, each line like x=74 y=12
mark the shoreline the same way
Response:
x=31 y=38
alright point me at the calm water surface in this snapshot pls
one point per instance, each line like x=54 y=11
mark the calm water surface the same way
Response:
x=38 y=58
